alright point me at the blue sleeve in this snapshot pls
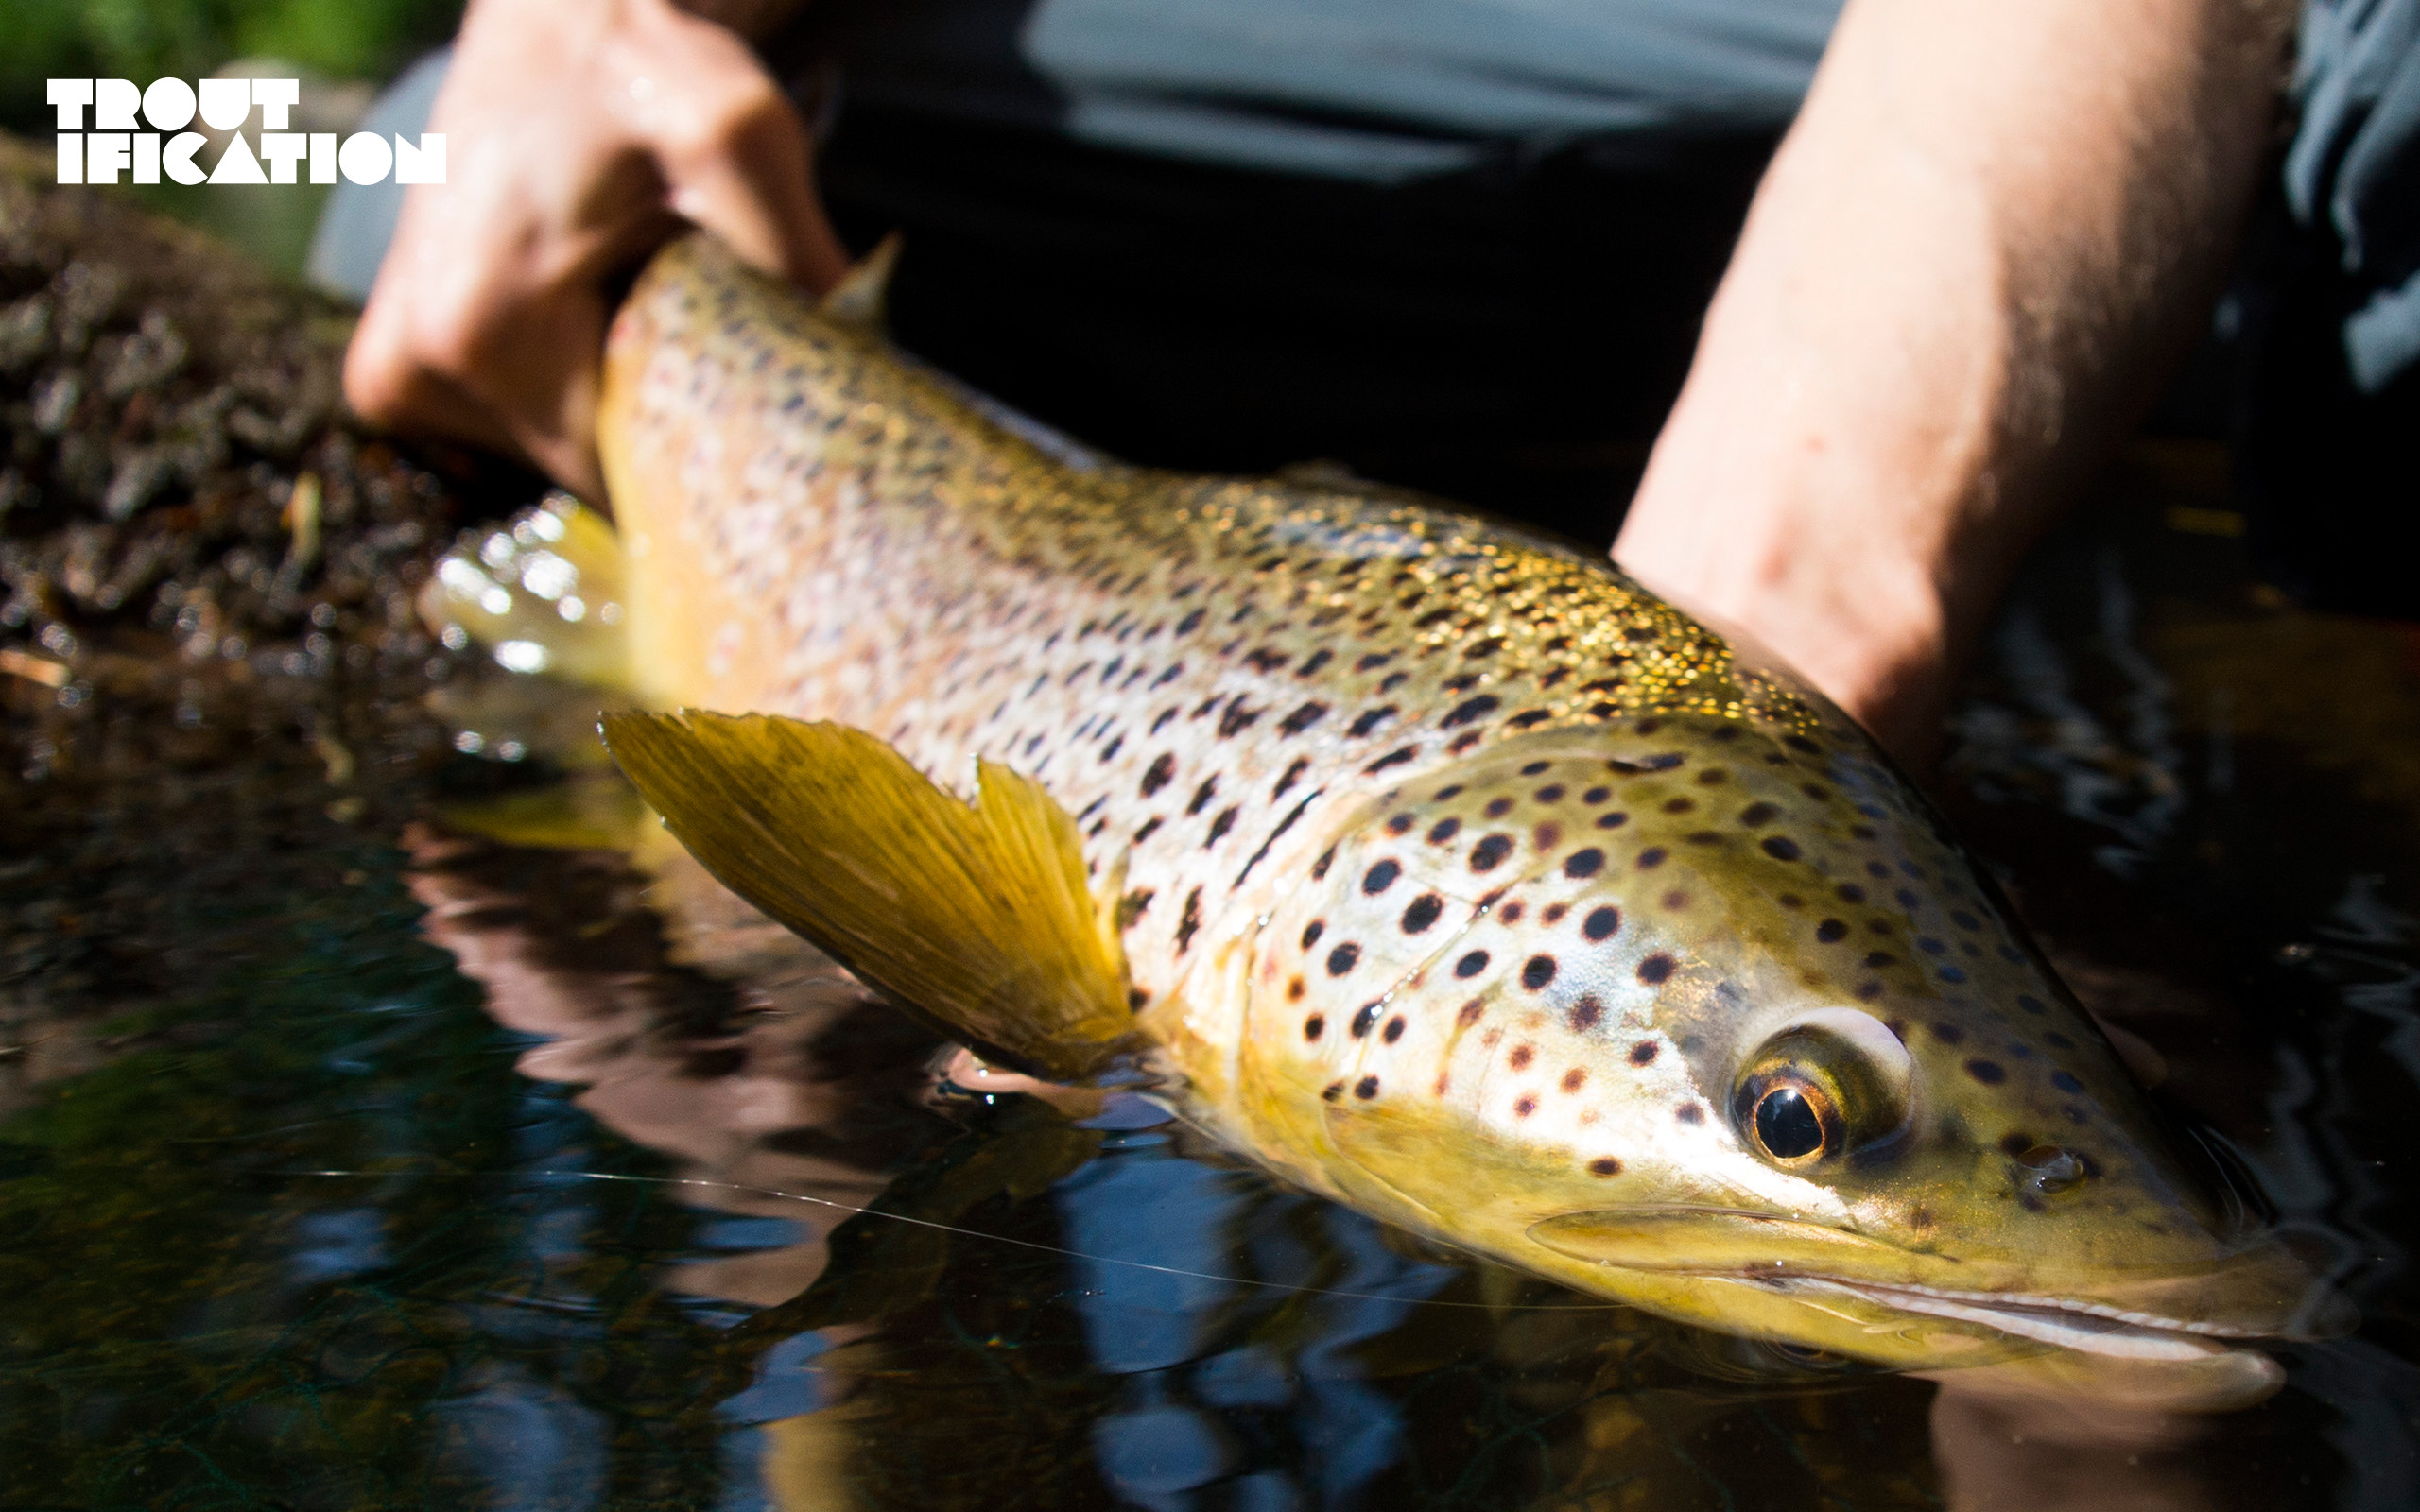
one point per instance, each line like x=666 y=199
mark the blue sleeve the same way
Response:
x=2353 y=169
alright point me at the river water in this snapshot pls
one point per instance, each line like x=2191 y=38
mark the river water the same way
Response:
x=386 y=1125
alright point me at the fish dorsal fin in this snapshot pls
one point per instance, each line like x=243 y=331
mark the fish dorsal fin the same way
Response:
x=975 y=917
x=861 y=299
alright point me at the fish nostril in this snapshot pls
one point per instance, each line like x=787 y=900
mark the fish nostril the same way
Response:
x=2048 y=1168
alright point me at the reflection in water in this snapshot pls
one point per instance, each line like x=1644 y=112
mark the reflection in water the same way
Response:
x=217 y=987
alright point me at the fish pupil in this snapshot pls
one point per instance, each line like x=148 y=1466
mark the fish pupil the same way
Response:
x=1787 y=1125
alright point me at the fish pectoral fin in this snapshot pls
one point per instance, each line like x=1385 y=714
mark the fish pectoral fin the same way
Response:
x=862 y=297
x=973 y=917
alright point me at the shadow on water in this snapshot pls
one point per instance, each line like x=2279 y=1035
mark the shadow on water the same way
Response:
x=358 y=1150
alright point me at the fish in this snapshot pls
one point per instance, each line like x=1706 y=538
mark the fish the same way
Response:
x=1431 y=863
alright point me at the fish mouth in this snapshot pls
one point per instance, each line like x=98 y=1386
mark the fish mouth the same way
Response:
x=2093 y=1328
x=2236 y=1296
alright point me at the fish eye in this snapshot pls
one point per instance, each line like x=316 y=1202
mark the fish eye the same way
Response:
x=1788 y=1124
x=1820 y=1089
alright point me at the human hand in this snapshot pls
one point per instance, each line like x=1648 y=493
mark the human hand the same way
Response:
x=580 y=137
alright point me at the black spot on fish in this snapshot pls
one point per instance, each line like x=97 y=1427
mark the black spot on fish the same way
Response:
x=1362 y=1018
x=1190 y=922
x=1987 y=1072
x=1319 y=868
x=1655 y=969
x=1331 y=1091
x=1802 y=743
x=1381 y=877
x=1314 y=1026
x=1596 y=794
x=1371 y=721
x=1490 y=853
x=1163 y=768
x=1471 y=965
x=1850 y=892
x=1293 y=774
x=1237 y=718
x=1444 y=830
x=1586 y=1013
x=1393 y=1030
x=1650 y=858
x=1314 y=662
x=1584 y=863
x=1399 y=823
x=1303 y=718
x=1220 y=825
x=1422 y=913
x=1552 y=793
x=1498 y=807
x=1312 y=931
x=2065 y=1083
x=1601 y=922
x=1470 y=1012
x=1947 y=1033
x=1689 y=1113
x=1643 y=1053
x=1611 y=821
x=1473 y=709
x=1343 y=959
x=1831 y=931
x=1604 y=1165
x=1202 y=795
x=1537 y=972
x=1781 y=847
x=1755 y=814
x=1366 y=1088
x=1393 y=758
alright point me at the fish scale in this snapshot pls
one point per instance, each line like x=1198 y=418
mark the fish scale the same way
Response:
x=1455 y=875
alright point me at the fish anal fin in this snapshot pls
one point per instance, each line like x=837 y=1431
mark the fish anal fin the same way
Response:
x=975 y=917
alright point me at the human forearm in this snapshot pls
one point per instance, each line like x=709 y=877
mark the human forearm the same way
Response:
x=1967 y=270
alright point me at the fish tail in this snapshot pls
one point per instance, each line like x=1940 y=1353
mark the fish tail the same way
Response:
x=542 y=593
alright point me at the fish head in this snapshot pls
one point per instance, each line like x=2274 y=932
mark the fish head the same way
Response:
x=1715 y=1018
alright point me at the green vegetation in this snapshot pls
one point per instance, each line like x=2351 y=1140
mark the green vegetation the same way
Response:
x=143 y=40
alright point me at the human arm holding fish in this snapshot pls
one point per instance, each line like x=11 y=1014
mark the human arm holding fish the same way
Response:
x=585 y=135
x=1987 y=231
x=1986 y=236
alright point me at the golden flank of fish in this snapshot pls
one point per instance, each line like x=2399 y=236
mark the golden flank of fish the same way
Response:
x=1439 y=868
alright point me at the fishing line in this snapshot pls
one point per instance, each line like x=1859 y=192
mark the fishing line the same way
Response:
x=975 y=1233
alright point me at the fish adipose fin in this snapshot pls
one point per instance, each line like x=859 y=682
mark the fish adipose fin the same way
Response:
x=862 y=297
x=973 y=917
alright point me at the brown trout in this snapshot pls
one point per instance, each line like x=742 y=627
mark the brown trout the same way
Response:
x=1437 y=866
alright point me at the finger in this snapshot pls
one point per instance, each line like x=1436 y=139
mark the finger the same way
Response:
x=388 y=385
x=736 y=160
